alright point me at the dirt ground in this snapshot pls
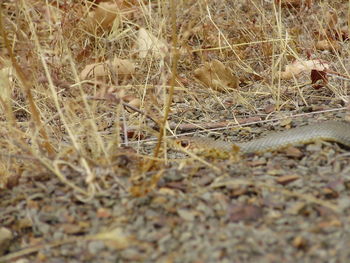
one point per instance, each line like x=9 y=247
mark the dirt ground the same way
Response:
x=125 y=204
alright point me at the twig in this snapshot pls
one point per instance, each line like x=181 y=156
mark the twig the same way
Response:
x=212 y=125
x=174 y=60
x=126 y=105
x=337 y=74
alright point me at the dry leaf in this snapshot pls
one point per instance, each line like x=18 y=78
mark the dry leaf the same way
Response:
x=72 y=228
x=105 y=16
x=332 y=19
x=343 y=34
x=123 y=66
x=167 y=191
x=286 y=179
x=294 y=3
x=117 y=67
x=135 y=103
x=326 y=44
x=117 y=236
x=292 y=151
x=319 y=75
x=329 y=224
x=6 y=78
x=94 y=70
x=6 y=237
x=52 y=14
x=216 y=76
x=148 y=44
x=304 y=66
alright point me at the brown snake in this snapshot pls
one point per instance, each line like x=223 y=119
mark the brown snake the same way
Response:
x=337 y=131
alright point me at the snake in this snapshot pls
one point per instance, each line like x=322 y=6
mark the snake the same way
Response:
x=335 y=131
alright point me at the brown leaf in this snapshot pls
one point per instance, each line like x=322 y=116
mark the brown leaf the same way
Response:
x=343 y=35
x=103 y=17
x=135 y=103
x=286 y=179
x=319 y=75
x=239 y=191
x=148 y=44
x=294 y=3
x=6 y=237
x=327 y=44
x=117 y=67
x=135 y=133
x=331 y=19
x=95 y=70
x=217 y=76
x=123 y=66
x=329 y=223
x=167 y=191
x=72 y=228
x=292 y=151
x=304 y=66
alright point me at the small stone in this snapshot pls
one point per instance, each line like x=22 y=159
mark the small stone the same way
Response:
x=132 y=254
x=296 y=208
x=186 y=214
x=244 y=212
x=292 y=151
x=96 y=246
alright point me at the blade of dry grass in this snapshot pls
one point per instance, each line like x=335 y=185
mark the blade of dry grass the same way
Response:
x=27 y=89
x=174 y=60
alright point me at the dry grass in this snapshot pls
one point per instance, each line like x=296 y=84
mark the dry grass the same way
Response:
x=50 y=124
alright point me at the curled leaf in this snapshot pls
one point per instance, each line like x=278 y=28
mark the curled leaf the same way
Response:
x=117 y=67
x=104 y=17
x=304 y=66
x=216 y=76
x=148 y=44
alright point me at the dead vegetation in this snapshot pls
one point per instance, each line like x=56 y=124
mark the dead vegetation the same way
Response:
x=84 y=84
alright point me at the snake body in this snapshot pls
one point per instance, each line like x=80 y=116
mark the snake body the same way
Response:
x=337 y=131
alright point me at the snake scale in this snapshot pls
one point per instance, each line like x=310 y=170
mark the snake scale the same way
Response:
x=337 y=131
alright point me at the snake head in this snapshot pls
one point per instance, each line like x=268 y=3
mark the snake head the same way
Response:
x=208 y=147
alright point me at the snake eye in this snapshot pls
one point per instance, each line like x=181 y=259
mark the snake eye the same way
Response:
x=184 y=143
